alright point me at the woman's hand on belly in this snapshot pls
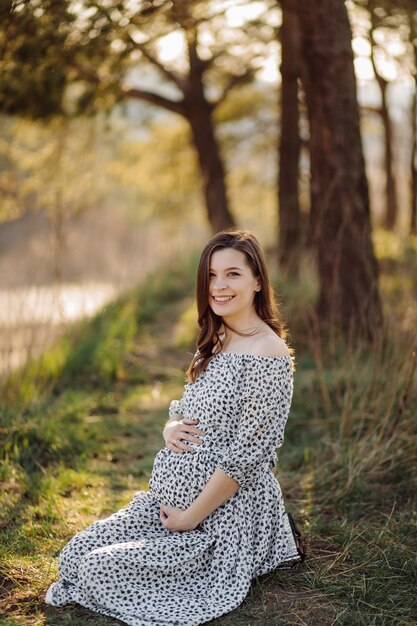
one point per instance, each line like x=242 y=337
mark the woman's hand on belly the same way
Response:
x=176 y=431
x=176 y=519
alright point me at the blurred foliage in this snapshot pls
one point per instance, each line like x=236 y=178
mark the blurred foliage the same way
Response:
x=51 y=166
x=156 y=173
x=394 y=46
x=33 y=78
x=48 y=50
x=91 y=48
x=145 y=169
x=148 y=166
x=62 y=167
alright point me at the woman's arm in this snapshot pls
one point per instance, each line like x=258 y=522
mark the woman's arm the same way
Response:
x=218 y=489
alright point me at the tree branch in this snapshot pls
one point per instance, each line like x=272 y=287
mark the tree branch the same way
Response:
x=83 y=73
x=382 y=82
x=123 y=31
x=237 y=79
x=153 y=98
x=172 y=76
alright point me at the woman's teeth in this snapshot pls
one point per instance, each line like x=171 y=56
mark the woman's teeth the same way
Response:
x=222 y=298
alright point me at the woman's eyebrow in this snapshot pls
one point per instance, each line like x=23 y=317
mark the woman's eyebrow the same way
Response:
x=229 y=268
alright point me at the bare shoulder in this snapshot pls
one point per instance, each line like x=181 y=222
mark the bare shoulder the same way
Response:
x=269 y=344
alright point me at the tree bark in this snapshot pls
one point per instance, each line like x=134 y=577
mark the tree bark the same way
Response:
x=198 y=112
x=340 y=217
x=289 y=145
x=211 y=166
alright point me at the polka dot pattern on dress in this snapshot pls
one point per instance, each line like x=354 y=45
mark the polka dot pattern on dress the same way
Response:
x=129 y=566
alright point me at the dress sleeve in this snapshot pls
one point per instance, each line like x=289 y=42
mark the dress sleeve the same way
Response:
x=264 y=409
x=175 y=408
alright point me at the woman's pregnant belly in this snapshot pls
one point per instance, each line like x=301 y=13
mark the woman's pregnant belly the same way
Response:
x=178 y=477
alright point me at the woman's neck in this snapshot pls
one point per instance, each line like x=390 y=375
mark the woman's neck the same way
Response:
x=242 y=324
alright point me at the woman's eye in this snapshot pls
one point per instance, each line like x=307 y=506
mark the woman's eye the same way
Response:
x=229 y=274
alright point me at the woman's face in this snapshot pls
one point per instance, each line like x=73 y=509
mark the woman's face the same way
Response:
x=232 y=285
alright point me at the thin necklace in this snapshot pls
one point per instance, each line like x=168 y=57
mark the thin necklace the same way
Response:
x=246 y=329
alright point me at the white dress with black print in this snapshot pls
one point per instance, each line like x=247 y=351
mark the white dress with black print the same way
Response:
x=130 y=567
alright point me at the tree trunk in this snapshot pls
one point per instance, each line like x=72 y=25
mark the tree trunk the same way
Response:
x=211 y=165
x=391 y=212
x=289 y=146
x=198 y=112
x=391 y=208
x=413 y=164
x=340 y=217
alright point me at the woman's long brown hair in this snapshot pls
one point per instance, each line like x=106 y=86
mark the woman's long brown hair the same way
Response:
x=264 y=300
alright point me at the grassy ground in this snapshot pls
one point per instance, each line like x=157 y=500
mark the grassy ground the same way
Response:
x=81 y=426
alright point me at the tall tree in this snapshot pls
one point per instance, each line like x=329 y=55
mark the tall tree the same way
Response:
x=340 y=217
x=412 y=21
x=109 y=47
x=378 y=16
x=391 y=211
x=289 y=145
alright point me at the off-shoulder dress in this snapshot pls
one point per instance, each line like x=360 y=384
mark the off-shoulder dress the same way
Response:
x=129 y=566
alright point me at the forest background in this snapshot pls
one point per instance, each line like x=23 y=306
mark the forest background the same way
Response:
x=130 y=131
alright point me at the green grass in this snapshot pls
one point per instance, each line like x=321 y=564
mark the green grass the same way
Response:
x=81 y=425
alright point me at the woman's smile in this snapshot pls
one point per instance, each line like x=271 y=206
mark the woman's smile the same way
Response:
x=222 y=299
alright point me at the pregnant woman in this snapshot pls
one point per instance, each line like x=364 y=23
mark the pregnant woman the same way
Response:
x=187 y=550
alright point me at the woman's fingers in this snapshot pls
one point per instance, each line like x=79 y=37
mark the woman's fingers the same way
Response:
x=182 y=432
x=184 y=447
x=174 y=447
x=191 y=429
x=190 y=422
x=179 y=446
x=191 y=438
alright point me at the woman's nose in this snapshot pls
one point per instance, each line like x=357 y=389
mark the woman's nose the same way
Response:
x=220 y=282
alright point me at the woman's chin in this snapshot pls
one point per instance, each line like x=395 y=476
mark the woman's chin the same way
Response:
x=221 y=313
x=223 y=309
